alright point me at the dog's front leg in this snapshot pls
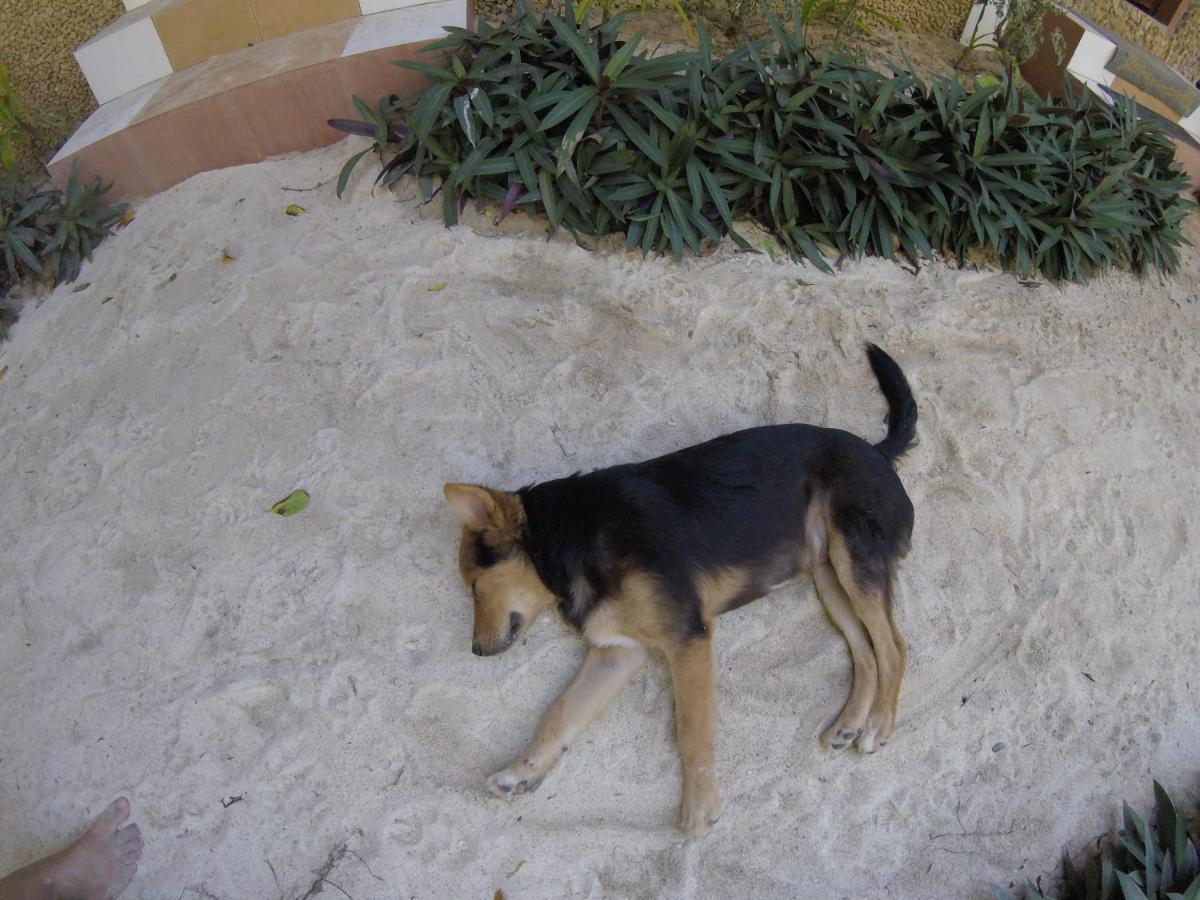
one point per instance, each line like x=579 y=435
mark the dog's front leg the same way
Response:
x=603 y=673
x=695 y=733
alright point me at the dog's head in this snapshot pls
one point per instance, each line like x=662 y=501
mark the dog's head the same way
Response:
x=505 y=588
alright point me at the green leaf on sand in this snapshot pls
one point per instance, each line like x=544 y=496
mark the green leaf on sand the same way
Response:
x=292 y=503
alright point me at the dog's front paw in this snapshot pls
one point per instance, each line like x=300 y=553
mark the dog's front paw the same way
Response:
x=699 y=811
x=512 y=782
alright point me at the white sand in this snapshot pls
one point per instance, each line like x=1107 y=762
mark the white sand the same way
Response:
x=165 y=637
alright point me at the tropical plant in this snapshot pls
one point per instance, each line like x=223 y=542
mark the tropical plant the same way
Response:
x=1022 y=28
x=1147 y=862
x=29 y=136
x=832 y=157
x=505 y=121
x=1020 y=34
x=47 y=233
x=8 y=315
x=20 y=237
x=14 y=132
x=77 y=221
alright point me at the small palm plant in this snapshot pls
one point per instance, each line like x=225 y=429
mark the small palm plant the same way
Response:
x=46 y=233
x=1147 y=862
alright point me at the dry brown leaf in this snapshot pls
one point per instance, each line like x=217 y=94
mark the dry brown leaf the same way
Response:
x=226 y=258
x=3 y=372
x=129 y=216
x=437 y=286
x=293 y=210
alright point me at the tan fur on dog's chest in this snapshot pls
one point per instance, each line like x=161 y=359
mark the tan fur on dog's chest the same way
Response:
x=604 y=629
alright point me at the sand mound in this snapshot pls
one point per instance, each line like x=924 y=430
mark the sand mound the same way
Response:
x=166 y=637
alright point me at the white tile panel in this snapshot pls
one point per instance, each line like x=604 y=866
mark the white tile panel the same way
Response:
x=1090 y=58
x=370 y=7
x=123 y=59
x=1191 y=123
x=985 y=15
x=422 y=22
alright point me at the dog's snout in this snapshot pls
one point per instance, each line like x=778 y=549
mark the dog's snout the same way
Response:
x=496 y=641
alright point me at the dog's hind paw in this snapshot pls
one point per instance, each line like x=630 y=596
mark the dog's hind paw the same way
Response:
x=877 y=733
x=508 y=784
x=868 y=742
x=838 y=737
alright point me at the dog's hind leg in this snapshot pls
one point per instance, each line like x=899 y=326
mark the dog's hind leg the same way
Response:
x=870 y=597
x=853 y=718
x=882 y=718
x=602 y=674
x=695 y=732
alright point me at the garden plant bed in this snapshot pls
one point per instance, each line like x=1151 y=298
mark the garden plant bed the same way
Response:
x=542 y=112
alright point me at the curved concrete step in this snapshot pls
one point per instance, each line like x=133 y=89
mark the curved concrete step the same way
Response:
x=158 y=37
x=260 y=101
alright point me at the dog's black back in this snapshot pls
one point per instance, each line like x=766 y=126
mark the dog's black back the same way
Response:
x=741 y=500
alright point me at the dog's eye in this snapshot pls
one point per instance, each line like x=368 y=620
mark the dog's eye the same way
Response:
x=485 y=556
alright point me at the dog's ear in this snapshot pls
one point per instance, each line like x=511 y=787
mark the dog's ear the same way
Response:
x=479 y=508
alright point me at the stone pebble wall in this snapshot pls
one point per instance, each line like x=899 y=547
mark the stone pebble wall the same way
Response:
x=941 y=17
x=37 y=39
x=1180 y=48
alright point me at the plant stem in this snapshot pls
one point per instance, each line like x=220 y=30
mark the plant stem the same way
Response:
x=971 y=41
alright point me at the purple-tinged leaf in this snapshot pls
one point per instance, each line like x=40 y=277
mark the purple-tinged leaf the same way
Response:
x=352 y=126
x=510 y=200
x=879 y=168
x=397 y=131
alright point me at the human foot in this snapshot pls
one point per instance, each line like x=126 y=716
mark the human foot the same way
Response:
x=98 y=866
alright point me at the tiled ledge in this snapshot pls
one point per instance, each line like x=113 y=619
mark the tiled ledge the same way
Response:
x=261 y=101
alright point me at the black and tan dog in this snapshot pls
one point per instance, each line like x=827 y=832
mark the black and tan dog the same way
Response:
x=645 y=556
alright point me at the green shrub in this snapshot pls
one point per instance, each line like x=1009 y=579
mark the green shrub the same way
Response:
x=1148 y=862
x=13 y=130
x=46 y=233
x=8 y=315
x=541 y=114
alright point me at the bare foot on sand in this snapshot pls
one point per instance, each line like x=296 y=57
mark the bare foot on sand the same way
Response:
x=98 y=866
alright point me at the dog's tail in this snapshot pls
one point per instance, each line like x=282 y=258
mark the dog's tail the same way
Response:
x=902 y=408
